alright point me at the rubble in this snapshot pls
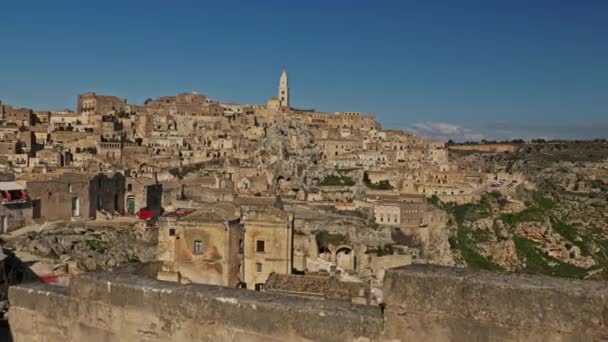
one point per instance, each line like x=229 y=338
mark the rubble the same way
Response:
x=92 y=248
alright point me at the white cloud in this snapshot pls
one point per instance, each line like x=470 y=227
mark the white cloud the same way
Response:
x=444 y=131
x=508 y=131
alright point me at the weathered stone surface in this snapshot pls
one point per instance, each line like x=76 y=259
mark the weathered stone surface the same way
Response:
x=129 y=308
x=94 y=248
x=422 y=303
x=449 y=304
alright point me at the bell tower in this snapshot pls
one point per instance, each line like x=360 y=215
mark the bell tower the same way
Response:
x=284 y=90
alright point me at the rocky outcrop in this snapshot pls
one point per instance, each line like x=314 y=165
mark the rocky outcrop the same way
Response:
x=557 y=226
x=437 y=250
x=93 y=248
x=292 y=156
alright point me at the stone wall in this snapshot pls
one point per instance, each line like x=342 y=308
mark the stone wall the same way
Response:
x=111 y=307
x=13 y=216
x=432 y=303
x=421 y=303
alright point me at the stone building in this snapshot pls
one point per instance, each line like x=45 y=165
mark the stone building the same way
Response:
x=268 y=244
x=65 y=120
x=110 y=152
x=111 y=128
x=9 y=148
x=91 y=103
x=72 y=196
x=203 y=245
x=143 y=193
x=13 y=205
x=92 y=107
x=19 y=116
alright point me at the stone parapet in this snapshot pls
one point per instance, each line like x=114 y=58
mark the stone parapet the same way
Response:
x=433 y=303
x=112 y=307
x=421 y=303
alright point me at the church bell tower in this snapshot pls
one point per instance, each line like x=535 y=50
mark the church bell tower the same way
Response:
x=284 y=90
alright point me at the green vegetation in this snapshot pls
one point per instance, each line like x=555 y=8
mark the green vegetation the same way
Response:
x=535 y=259
x=466 y=238
x=133 y=259
x=343 y=171
x=401 y=238
x=381 y=185
x=528 y=252
x=465 y=241
x=433 y=200
x=542 y=201
x=599 y=184
x=538 y=261
x=471 y=211
x=334 y=180
x=91 y=150
x=536 y=210
x=381 y=250
x=530 y=214
x=570 y=233
x=325 y=238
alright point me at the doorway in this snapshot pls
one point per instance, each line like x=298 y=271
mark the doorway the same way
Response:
x=131 y=205
x=4 y=224
x=75 y=207
x=36 y=209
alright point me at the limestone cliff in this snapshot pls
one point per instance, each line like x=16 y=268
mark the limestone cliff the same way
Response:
x=558 y=226
x=289 y=153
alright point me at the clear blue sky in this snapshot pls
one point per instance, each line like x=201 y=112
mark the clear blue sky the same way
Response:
x=486 y=68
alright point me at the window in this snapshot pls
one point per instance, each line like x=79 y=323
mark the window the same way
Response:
x=172 y=232
x=260 y=246
x=258 y=267
x=75 y=207
x=129 y=187
x=198 y=247
x=70 y=188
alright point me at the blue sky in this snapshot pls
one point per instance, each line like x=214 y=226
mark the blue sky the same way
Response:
x=464 y=69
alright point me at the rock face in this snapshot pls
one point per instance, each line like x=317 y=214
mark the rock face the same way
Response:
x=93 y=248
x=437 y=251
x=559 y=225
x=291 y=154
x=355 y=229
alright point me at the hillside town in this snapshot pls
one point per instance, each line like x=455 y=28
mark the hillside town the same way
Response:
x=419 y=171
x=264 y=197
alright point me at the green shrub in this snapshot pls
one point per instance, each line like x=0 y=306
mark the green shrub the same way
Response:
x=570 y=233
x=465 y=242
x=531 y=214
x=325 y=238
x=333 y=180
x=538 y=261
x=434 y=200
x=381 y=185
x=542 y=201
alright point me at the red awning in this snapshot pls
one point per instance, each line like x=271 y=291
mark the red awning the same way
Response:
x=144 y=214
